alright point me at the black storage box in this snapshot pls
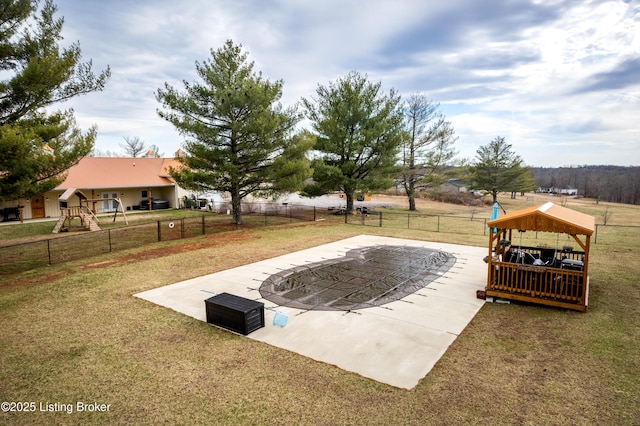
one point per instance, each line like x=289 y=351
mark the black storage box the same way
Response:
x=235 y=313
x=572 y=265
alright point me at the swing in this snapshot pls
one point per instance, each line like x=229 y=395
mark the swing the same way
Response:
x=523 y=257
x=552 y=262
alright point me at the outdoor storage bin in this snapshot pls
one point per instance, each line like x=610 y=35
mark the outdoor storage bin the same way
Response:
x=235 y=313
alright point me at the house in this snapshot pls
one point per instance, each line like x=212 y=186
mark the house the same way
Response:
x=558 y=191
x=458 y=186
x=132 y=180
x=454 y=185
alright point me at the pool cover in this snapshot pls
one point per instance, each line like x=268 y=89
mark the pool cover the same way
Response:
x=365 y=277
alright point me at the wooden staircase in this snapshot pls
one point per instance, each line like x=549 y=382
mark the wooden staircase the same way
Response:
x=59 y=225
x=89 y=220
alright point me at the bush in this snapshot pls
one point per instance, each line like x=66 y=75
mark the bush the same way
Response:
x=189 y=203
x=462 y=198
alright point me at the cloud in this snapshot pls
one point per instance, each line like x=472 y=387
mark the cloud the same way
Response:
x=626 y=74
x=543 y=73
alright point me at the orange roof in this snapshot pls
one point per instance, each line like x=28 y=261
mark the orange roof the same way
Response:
x=167 y=163
x=546 y=218
x=117 y=172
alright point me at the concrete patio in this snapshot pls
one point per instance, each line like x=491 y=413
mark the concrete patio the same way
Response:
x=397 y=343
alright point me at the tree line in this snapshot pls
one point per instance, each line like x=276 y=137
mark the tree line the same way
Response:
x=605 y=183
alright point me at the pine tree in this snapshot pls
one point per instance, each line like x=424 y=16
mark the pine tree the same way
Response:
x=498 y=169
x=38 y=145
x=239 y=138
x=359 y=132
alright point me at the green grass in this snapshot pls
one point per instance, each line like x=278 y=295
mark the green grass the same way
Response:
x=17 y=230
x=73 y=332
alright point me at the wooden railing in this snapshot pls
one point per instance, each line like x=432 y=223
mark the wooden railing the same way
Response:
x=75 y=211
x=540 y=282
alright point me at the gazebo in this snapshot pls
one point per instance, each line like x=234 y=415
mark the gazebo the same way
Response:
x=542 y=275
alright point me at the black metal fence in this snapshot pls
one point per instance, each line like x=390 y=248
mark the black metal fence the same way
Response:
x=456 y=224
x=625 y=235
x=25 y=256
x=64 y=248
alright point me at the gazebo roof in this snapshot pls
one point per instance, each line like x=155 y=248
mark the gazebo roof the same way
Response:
x=547 y=217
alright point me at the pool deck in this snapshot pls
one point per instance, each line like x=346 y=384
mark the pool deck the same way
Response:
x=397 y=343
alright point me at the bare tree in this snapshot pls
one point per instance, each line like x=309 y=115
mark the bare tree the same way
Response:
x=107 y=153
x=133 y=146
x=428 y=146
x=156 y=151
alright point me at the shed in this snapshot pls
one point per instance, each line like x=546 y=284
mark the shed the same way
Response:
x=542 y=275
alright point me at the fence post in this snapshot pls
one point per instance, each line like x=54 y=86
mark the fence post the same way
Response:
x=49 y=250
x=314 y=213
x=159 y=232
x=595 y=237
x=182 y=228
x=380 y=225
x=109 y=234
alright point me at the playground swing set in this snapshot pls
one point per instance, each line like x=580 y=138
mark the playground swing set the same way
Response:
x=88 y=219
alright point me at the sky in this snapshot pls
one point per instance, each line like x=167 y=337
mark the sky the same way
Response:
x=558 y=79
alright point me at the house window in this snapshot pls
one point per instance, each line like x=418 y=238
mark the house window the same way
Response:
x=109 y=205
x=144 y=194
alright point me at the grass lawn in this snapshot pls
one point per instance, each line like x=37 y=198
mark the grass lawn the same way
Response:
x=74 y=333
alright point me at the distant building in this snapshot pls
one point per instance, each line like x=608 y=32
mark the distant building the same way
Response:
x=458 y=186
x=455 y=185
x=558 y=191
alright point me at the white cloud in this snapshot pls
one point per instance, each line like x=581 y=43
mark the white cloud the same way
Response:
x=541 y=74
